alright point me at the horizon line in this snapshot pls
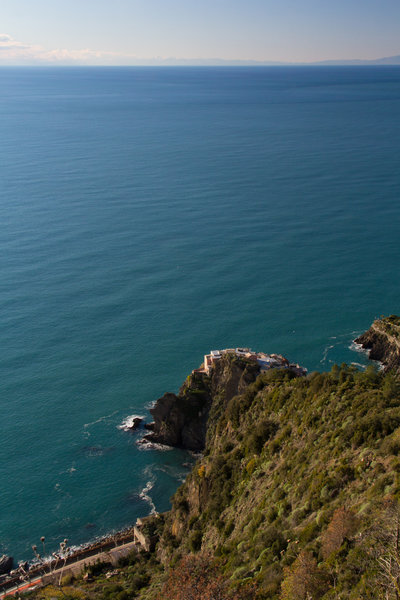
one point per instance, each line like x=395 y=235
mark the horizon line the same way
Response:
x=171 y=61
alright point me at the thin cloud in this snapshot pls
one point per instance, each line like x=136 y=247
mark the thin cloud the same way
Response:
x=8 y=44
x=14 y=52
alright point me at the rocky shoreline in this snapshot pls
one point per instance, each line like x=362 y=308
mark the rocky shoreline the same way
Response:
x=382 y=342
x=233 y=414
x=181 y=420
x=6 y=564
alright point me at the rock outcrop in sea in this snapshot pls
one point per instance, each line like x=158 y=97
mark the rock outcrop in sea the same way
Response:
x=6 y=564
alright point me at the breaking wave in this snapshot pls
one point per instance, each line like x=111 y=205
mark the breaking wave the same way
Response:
x=144 y=495
x=100 y=419
x=146 y=445
x=128 y=422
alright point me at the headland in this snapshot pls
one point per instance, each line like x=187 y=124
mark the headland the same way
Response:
x=295 y=493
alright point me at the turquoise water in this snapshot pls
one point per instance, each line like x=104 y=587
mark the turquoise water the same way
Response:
x=149 y=215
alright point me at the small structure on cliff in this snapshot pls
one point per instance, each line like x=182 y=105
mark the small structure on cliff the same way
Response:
x=143 y=535
x=181 y=419
x=265 y=361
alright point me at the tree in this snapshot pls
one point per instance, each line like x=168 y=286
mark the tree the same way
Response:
x=386 y=550
x=198 y=578
x=341 y=526
x=303 y=580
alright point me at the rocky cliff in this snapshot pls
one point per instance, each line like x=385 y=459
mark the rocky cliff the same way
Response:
x=181 y=420
x=296 y=493
x=299 y=476
x=382 y=340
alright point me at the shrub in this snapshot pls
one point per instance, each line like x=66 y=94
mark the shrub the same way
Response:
x=98 y=567
x=261 y=433
x=195 y=541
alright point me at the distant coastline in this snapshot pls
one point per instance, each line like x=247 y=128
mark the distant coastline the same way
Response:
x=217 y=62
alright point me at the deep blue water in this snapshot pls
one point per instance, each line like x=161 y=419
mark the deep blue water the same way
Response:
x=149 y=215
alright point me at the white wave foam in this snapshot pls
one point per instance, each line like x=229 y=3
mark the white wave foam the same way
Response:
x=359 y=365
x=150 y=405
x=175 y=472
x=128 y=422
x=100 y=419
x=358 y=348
x=366 y=351
x=145 y=445
x=325 y=353
x=196 y=454
x=144 y=494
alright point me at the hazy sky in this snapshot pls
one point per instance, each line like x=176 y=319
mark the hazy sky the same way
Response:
x=122 y=31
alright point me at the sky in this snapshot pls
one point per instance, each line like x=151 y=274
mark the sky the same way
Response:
x=128 y=32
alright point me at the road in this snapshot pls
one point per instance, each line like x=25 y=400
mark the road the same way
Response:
x=112 y=556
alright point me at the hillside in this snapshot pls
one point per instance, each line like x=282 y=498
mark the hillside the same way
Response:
x=295 y=465
x=294 y=497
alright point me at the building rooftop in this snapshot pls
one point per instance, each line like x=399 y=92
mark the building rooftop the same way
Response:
x=265 y=361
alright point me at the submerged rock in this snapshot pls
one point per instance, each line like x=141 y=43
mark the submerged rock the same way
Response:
x=6 y=564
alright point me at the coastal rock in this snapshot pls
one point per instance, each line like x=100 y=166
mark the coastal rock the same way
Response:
x=131 y=423
x=181 y=420
x=135 y=423
x=6 y=564
x=174 y=421
x=382 y=340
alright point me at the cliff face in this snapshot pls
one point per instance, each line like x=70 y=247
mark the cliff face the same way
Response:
x=294 y=467
x=297 y=491
x=181 y=420
x=383 y=342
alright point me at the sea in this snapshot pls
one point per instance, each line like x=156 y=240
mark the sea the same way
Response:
x=150 y=215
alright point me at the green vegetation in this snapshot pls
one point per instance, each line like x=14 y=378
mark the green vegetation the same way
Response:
x=298 y=472
x=296 y=496
x=393 y=319
x=390 y=325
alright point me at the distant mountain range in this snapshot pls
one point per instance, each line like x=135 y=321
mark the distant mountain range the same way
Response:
x=389 y=60
x=215 y=62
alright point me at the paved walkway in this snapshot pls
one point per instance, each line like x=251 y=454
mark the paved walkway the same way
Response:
x=112 y=556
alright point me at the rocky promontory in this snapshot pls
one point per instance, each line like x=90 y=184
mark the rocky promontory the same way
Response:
x=181 y=419
x=382 y=340
x=295 y=493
